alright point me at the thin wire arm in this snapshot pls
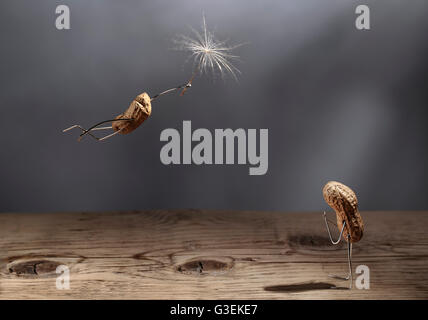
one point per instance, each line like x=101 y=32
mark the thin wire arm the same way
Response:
x=350 y=261
x=185 y=86
x=329 y=233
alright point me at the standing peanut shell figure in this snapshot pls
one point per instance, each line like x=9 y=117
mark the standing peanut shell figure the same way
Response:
x=349 y=222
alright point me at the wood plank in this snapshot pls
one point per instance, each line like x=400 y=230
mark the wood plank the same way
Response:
x=200 y=254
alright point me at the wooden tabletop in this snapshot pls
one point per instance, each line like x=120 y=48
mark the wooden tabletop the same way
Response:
x=202 y=254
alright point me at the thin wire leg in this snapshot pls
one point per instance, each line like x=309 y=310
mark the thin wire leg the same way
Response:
x=103 y=138
x=100 y=123
x=350 y=261
x=349 y=276
x=329 y=233
x=83 y=129
x=110 y=135
x=92 y=129
x=102 y=128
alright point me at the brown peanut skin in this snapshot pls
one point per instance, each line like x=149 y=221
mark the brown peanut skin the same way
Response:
x=139 y=110
x=344 y=202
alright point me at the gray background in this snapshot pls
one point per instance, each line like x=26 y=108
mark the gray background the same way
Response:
x=339 y=104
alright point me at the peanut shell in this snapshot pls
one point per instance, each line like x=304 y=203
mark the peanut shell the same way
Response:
x=139 y=110
x=344 y=202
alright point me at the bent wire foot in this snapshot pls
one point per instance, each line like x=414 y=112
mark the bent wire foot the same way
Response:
x=349 y=276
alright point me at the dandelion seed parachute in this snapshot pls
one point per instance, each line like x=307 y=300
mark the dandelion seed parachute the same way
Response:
x=209 y=54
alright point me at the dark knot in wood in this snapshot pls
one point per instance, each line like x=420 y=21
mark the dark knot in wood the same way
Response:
x=204 y=265
x=35 y=268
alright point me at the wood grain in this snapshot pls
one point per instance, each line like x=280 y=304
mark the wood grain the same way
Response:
x=198 y=254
